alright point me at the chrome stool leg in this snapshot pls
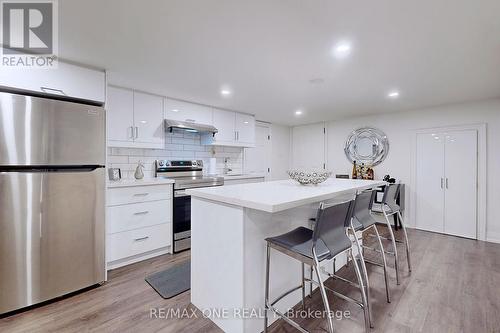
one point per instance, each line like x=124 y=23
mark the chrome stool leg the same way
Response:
x=310 y=283
x=407 y=243
x=363 y=295
x=323 y=294
x=384 y=261
x=364 y=270
x=266 y=301
x=395 y=249
x=303 y=286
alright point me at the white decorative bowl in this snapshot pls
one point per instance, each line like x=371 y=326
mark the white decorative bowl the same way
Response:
x=306 y=177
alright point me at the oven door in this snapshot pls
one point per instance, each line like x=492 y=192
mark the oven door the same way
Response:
x=181 y=221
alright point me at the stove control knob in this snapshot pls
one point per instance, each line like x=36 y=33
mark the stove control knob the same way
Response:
x=167 y=163
x=161 y=163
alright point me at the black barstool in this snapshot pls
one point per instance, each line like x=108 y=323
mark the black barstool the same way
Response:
x=327 y=241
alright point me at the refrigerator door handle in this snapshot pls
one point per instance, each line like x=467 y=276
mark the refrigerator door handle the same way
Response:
x=53 y=90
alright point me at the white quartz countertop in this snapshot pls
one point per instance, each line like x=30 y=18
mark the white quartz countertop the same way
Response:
x=243 y=176
x=141 y=182
x=280 y=195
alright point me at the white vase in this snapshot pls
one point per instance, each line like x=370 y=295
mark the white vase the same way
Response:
x=139 y=173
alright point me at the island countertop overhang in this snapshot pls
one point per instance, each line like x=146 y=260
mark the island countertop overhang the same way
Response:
x=276 y=196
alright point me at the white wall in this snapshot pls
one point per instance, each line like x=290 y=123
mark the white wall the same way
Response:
x=400 y=128
x=280 y=151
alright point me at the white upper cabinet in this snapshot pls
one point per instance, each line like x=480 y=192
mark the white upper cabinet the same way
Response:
x=190 y=112
x=148 y=119
x=224 y=122
x=234 y=129
x=135 y=119
x=245 y=128
x=120 y=115
x=67 y=80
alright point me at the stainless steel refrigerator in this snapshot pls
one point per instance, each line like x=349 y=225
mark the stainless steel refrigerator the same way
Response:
x=52 y=156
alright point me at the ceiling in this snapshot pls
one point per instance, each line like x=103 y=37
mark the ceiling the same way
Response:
x=266 y=52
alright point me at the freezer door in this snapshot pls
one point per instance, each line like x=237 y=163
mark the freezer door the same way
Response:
x=51 y=235
x=40 y=131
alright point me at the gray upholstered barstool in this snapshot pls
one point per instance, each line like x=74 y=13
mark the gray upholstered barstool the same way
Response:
x=328 y=240
x=362 y=221
x=389 y=207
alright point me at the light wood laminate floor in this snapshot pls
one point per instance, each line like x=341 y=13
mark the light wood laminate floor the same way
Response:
x=454 y=287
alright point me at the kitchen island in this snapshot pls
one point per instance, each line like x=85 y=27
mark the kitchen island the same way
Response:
x=228 y=251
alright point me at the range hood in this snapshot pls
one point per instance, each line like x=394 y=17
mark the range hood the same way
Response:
x=187 y=126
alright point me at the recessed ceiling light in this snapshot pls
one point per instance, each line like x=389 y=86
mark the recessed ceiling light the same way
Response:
x=342 y=49
x=225 y=92
x=298 y=112
x=393 y=94
x=246 y=122
x=175 y=110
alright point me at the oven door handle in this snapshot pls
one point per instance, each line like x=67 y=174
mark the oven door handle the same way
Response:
x=180 y=194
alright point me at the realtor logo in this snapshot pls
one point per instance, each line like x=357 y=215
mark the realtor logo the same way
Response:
x=29 y=33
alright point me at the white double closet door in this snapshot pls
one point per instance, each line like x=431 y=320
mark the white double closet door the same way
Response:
x=446 y=182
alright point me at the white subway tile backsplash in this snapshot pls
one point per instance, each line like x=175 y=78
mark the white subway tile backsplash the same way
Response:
x=174 y=147
x=185 y=141
x=202 y=154
x=117 y=158
x=178 y=145
x=194 y=148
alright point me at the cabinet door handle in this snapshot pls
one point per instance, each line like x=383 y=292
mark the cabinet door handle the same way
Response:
x=141 y=239
x=136 y=132
x=131 y=130
x=140 y=194
x=52 y=90
x=142 y=213
x=446 y=182
x=442 y=181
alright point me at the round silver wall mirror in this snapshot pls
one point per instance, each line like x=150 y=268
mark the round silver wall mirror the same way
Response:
x=367 y=145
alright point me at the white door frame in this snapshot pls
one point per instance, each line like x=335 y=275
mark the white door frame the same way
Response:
x=482 y=161
x=259 y=123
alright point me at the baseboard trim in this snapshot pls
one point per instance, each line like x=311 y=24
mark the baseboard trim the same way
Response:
x=493 y=237
x=140 y=257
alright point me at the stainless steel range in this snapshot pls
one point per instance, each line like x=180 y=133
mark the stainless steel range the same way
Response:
x=187 y=174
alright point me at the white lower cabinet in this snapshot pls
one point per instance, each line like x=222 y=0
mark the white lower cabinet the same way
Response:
x=138 y=241
x=138 y=223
